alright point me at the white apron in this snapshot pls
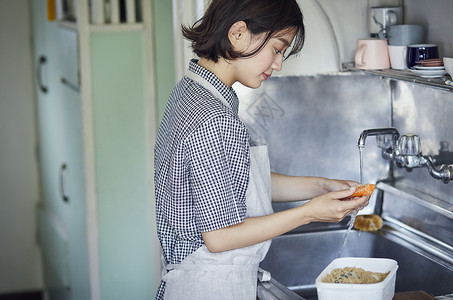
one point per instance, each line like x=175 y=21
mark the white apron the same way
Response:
x=231 y=274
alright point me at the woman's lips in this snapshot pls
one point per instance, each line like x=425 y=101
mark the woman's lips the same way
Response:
x=266 y=76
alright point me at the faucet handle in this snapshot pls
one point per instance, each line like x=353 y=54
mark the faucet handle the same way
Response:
x=385 y=141
x=409 y=144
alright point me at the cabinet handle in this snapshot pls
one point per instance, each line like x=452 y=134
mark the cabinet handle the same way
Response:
x=63 y=183
x=42 y=61
x=69 y=84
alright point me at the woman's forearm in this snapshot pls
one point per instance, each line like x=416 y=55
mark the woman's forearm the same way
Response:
x=325 y=208
x=294 y=188
x=254 y=230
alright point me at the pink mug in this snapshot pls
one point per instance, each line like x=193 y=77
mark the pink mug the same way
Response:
x=372 y=54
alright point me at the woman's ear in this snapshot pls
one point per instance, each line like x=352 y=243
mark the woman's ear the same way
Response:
x=238 y=34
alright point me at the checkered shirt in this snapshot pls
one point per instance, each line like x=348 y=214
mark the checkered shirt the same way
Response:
x=201 y=166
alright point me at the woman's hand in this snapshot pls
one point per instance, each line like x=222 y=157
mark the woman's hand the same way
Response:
x=331 y=207
x=324 y=207
x=333 y=185
x=295 y=188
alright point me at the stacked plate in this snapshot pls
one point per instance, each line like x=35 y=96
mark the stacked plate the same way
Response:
x=430 y=68
x=429 y=72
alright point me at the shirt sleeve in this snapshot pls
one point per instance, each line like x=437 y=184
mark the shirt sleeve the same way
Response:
x=218 y=154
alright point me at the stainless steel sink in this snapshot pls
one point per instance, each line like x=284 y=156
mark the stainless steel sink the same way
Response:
x=296 y=259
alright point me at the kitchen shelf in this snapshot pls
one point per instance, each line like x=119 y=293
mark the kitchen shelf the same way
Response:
x=406 y=75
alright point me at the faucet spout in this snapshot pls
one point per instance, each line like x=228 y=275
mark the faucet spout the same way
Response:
x=378 y=131
x=406 y=152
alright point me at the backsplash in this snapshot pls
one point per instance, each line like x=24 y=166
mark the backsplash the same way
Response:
x=427 y=112
x=312 y=124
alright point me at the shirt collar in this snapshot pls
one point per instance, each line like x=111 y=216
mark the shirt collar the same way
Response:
x=228 y=93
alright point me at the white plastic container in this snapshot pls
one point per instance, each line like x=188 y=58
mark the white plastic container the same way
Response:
x=384 y=290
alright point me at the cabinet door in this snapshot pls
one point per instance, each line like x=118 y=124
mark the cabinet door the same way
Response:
x=74 y=159
x=62 y=225
x=53 y=211
x=49 y=109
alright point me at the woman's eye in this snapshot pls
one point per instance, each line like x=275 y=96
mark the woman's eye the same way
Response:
x=278 y=51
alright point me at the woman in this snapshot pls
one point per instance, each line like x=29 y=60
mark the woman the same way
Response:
x=214 y=185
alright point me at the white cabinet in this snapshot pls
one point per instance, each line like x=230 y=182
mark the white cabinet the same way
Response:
x=96 y=128
x=61 y=213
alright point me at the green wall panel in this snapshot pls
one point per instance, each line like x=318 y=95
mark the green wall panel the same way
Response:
x=164 y=52
x=122 y=165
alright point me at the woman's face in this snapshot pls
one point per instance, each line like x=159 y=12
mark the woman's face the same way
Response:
x=252 y=71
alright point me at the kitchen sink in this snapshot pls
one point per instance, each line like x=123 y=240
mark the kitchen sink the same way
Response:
x=296 y=259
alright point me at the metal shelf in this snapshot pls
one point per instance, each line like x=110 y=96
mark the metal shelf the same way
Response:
x=406 y=75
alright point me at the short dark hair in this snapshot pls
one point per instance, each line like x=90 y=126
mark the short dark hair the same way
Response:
x=209 y=35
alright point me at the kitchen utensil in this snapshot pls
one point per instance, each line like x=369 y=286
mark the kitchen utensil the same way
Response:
x=398 y=57
x=419 y=52
x=372 y=53
x=435 y=62
x=429 y=73
x=429 y=68
x=381 y=18
x=448 y=64
x=383 y=290
x=406 y=34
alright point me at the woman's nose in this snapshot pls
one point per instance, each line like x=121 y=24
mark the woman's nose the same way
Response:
x=278 y=62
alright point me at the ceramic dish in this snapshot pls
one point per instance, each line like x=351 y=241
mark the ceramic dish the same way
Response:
x=429 y=68
x=429 y=73
x=433 y=62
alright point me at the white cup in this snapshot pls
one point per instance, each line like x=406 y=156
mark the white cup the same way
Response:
x=448 y=63
x=398 y=57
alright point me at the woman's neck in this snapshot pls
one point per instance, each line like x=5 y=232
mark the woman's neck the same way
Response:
x=223 y=69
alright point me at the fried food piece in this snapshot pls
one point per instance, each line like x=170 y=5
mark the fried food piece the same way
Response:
x=363 y=190
x=368 y=222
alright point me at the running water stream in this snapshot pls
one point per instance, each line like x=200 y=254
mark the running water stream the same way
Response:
x=354 y=213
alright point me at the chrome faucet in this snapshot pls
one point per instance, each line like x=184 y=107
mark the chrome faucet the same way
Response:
x=405 y=151
x=378 y=132
x=382 y=139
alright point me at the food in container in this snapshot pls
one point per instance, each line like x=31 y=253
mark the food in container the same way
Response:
x=384 y=290
x=354 y=275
